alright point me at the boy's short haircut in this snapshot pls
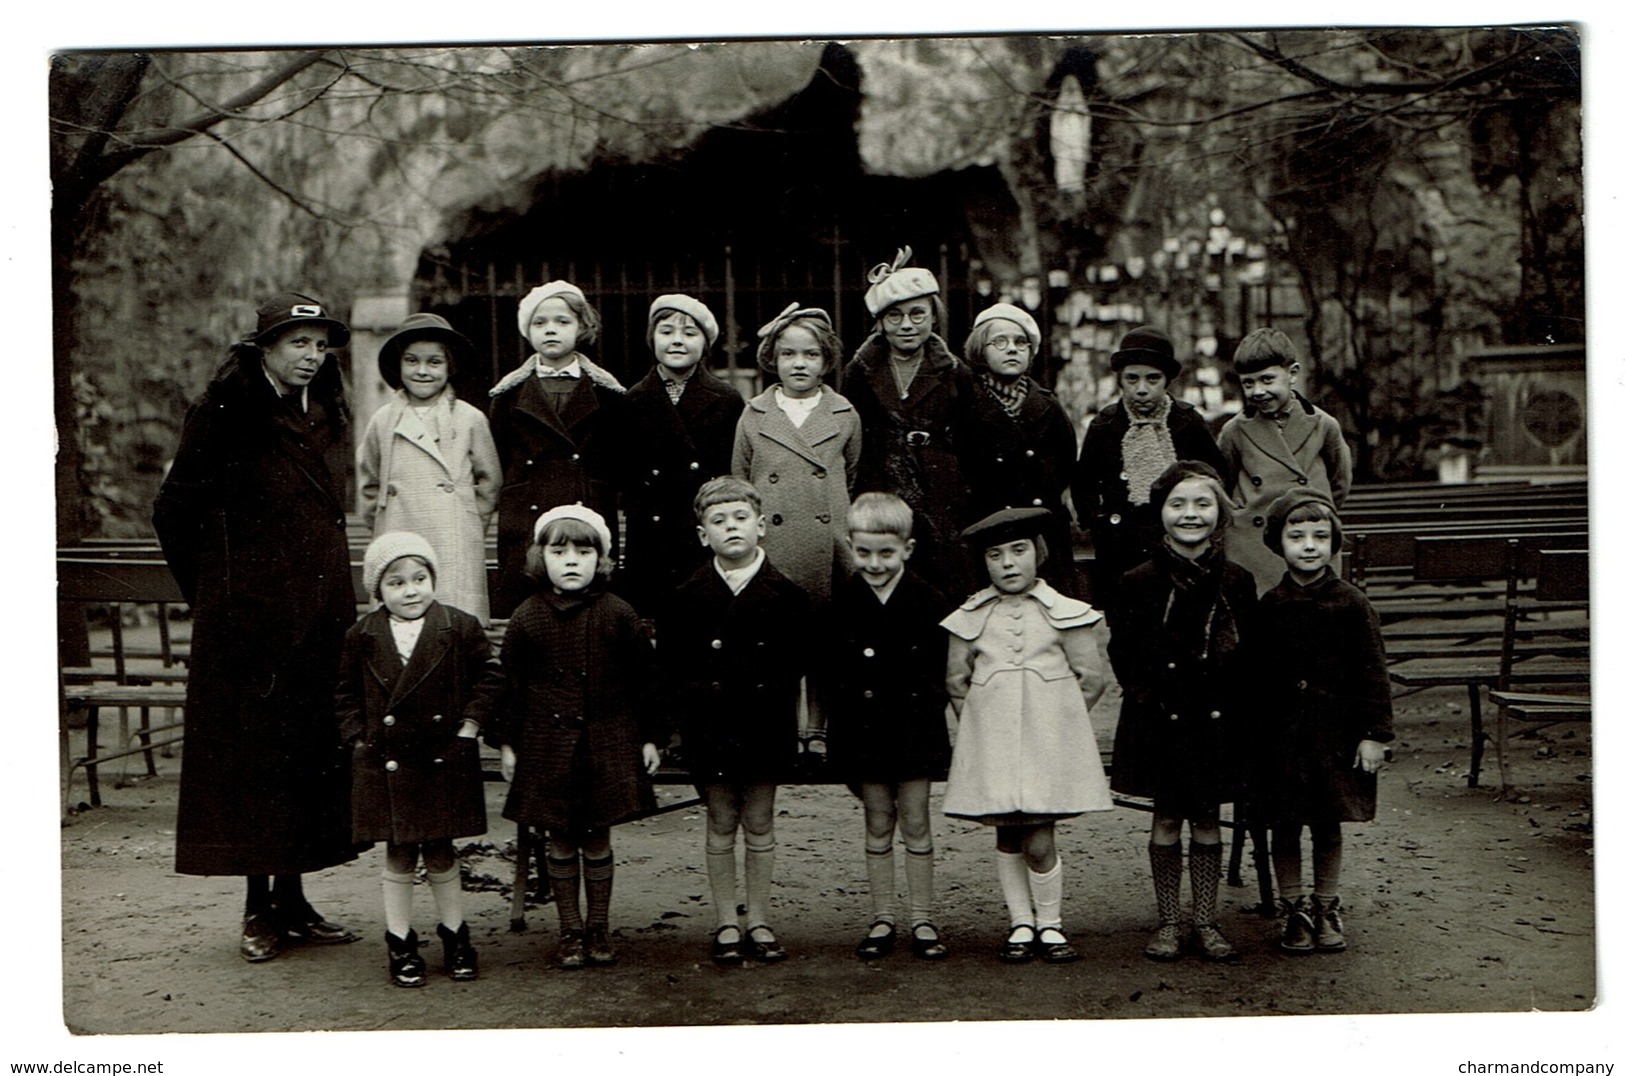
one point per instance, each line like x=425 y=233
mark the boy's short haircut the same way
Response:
x=725 y=490
x=1263 y=348
x=561 y=532
x=881 y=513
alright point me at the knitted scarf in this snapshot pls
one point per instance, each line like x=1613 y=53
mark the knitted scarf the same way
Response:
x=1148 y=449
x=1197 y=616
x=1010 y=394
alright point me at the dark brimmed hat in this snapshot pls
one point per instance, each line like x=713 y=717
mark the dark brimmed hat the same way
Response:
x=419 y=327
x=277 y=313
x=1149 y=347
x=1290 y=501
x=1006 y=525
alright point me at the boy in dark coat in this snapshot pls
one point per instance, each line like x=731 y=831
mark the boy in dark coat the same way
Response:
x=733 y=648
x=554 y=420
x=1327 y=717
x=676 y=434
x=415 y=682
x=881 y=683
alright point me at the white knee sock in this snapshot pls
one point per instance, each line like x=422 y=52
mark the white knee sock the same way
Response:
x=1046 y=889
x=1018 y=894
x=758 y=881
x=720 y=869
x=397 y=903
x=919 y=869
x=448 y=896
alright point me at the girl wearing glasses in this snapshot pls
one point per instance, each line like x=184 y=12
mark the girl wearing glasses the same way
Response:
x=1022 y=445
x=913 y=396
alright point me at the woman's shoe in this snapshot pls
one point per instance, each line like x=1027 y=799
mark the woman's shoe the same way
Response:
x=727 y=954
x=599 y=952
x=1211 y=945
x=874 y=946
x=462 y=962
x=572 y=950
x=302 y=923
x=1165 y=944
x=1054 y=948
x=261 y=938
x=1018 y=947
x=767 y=950
x=927 y=946
x=1329 y=924
x=406 y=967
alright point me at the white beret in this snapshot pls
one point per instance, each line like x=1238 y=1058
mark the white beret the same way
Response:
x=579 y=512
x=1010 y=312
x=388 y=548
x=528 y=305
x=689 y=305
x=892 y=284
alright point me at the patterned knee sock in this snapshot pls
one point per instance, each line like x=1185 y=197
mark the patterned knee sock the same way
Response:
x=1205 y=869
x=1167 y=871
x=882 y=869
x=1018 y=894
x=599 y=875
x=919 y=868
x=1046 y=890
x=448 y=896
x=397 y=903
x=564 y=875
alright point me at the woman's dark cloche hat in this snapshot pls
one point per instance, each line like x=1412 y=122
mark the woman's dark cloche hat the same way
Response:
x=1006 y=525
x=283 y=310
x=419 y=327
x=1147 y=346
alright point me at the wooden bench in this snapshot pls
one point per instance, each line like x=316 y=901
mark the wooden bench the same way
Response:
x=91 y=698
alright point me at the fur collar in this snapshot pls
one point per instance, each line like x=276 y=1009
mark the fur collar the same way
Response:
x=595 y=373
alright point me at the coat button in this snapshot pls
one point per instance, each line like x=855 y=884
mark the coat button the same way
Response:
x=716 y=644
x=530 y=463
x=1303 y=685
x=1257 y=480
x=868 y=651
x=1038 y=502
x=1258 y=521
x=533 y=508
x=575 y=457
x=655 y=473
x=773 y=476
x=716 y=685
x=1173 y=717
x=778 y=520
x=436 y=717
x=1029 y=453
x=392 y=765
x=694 y=466
x=389 y=719
x=439 y=762
x=1302 y=481
x=1215 y=715
x=1173 y=665
x=868 y=694
x=1115 y=519
x=340 y=522
x=819 y=473
x=654 y=519
x=1123 y=476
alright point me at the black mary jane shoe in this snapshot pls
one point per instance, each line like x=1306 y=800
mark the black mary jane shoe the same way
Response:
x=1015 y=951
x=875 y=946
x=302 y=923
x=727 y=954
x=767 y=950
x=927 y=946
x=1053 y=951
x=261 y=938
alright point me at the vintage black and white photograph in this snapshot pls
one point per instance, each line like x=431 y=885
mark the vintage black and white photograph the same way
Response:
x=905 y=532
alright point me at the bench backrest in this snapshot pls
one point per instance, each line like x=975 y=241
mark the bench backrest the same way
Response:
x=1562 y=575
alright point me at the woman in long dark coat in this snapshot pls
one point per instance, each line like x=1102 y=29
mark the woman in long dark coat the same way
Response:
x=913 y=397
x=251 y=519
x=1127 y=446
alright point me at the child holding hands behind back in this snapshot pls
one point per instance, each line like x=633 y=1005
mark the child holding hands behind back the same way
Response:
x=881 y=684
x=576 y=731
x=416 y=680
x=1329 y=713
x=1023 y=671
x=733 y=650
x=1180 y=634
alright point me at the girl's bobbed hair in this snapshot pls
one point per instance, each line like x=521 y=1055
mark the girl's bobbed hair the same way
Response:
x=566 y=531
x=572 y=297
x=812 y=319
x=1177 y=472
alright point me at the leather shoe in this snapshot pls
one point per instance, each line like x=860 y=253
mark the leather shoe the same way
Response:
x=767 y=950
x=875 y=946
x=1018 y=950
x=261 y=939
x=927 y=946
x=1053 y=947
x=726 y=954
x=305 y=924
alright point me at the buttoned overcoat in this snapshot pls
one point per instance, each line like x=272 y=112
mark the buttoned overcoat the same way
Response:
x=731 y=668
x=804 y=475
x=251 y=520
x=667 y=452
x=412 y=778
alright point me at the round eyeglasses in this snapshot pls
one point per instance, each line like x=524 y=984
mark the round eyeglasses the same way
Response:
x=894 y=317
x=1005 y=343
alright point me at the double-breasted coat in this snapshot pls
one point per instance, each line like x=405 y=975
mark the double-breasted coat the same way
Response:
x=804 y=475
x=1329 y=690
x=550 y=456
x=1185 y=723
x=880 y=681
x=412 y=778
x=730 y=670
x=443 y=488
x=1020 y=667
x=1024 y=461
x=1265 y=456
x=1121 y=531
x=912 y=446
x=251 y=520
x=575 y=708
x=667 y=452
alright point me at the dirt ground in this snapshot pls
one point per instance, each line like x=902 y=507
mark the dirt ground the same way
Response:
x=1459 y=900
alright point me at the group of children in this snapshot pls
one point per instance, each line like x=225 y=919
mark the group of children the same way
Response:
x=757 y=597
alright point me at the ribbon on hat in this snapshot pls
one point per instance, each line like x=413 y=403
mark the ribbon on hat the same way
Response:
x=884 y=270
